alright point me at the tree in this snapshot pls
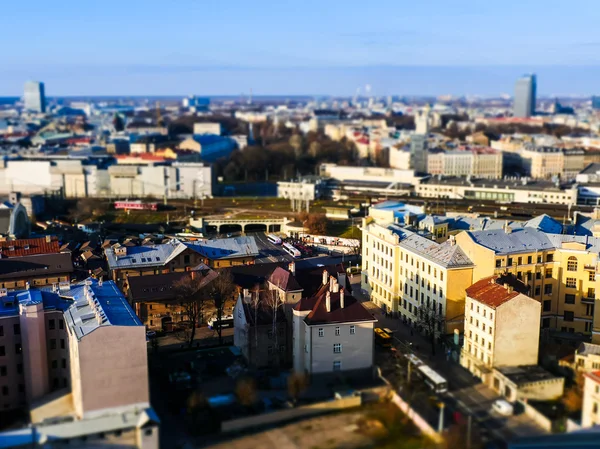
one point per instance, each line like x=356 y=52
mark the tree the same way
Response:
x=222 y=294
x=296 y=144
x=272 y=301
x=431 y=322
x=245 y=391
x=573 y=397
x=316 y=224
x=314 y=148
x=192 y=297
x=297 y=383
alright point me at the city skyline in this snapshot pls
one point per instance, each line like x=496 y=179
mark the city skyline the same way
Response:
x=329 y=49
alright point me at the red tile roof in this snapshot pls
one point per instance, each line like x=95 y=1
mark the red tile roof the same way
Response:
x=594 y=375
x=494 y=291
x=28 y=247
x=282 y=278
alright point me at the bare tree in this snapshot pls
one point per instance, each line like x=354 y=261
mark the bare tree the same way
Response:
x=222 y=294
x=272 y=301
x=192 y=297
x=431 y=322
x=297 y=383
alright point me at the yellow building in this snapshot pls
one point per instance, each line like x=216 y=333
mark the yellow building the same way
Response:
x=404 y=271
x=560 y=271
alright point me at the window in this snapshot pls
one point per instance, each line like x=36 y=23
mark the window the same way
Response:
x=571 y=283
x=529 y=259
x=352 y=330
x=51 y=324
x=61 y=324
x=592 y=276
x=18 y=348
x=548 y=273
x=569 y=299
x=337 y=348
x=572 y=263
x=538 y=275
x=548 y=305
x=2 y=351
x=63 y=363
x=538 y=290
x=550 y=258
x=19 y=368
x=186 y=259
x=321 y=332
x=591 y=294
x=54 y=364
x=510 y=261
x=568 y=316
x=1 y=331
x=3 y=371
x=4 y=391
x=595 y=408
x=548 y=289
x=17 y=329
x=306 y=348
x=498 y=263
x=337 y=365
x=337 y=331
x=519 y=260
x=53 y=343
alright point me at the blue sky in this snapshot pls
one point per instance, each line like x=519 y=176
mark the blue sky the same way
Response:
x=137 y=47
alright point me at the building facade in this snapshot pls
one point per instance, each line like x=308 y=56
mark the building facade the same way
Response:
x=35 y=96
x=525 y=96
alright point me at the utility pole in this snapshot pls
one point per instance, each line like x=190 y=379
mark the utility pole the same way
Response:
x=469 y=420
x=441 y=420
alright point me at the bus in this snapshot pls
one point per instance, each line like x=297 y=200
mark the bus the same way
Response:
x=291 y=250
x=274 y=239
x=433 y=380
x=382 y=338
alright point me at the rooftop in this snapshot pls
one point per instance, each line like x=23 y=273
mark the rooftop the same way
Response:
x=495 y=290
x=283 y=279
x=518 y=240
x=525 y=374
x=507 y=184
x=28 y=247
x=35 y=265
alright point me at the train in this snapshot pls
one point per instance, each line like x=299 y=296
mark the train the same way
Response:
x=135 y=205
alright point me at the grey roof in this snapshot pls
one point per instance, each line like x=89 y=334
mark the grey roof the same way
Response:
x=519 y=240
x=225 y=248
x=545 y=223
x=588 y=349
x=592 y=244
x=591 y=169
x=446 y=254
x=524 y=374
x=145 y=256
x=480 y=224
x=94 y=305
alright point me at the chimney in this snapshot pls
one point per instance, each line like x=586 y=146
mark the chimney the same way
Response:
x=100 y=281
x=48 y=238
x=193 y=274
x=325 y=277
x=328 y=301
x=452 y=240
x=292 y=268
x=336 y=286
x=331 y=283
x=342 y=297
x=27 y=285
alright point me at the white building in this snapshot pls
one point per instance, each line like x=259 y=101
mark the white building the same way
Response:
x=590 y=411
x=333 y=333
x=208 y=128
x=346 y=173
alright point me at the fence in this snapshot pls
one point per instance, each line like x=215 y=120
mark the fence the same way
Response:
x=236 y=425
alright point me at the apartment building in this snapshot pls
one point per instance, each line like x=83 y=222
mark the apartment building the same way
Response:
x=403 y=271
x=177 y=256
x=590 y=411
x=560 y=271
x=481 y=162
x=332 y=334
x=57 y=346
x=502 y=326
x=587 y=357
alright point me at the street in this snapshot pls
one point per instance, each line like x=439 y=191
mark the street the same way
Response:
x=466 y=394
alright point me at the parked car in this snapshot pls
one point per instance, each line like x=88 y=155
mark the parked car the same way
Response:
x=503 y=407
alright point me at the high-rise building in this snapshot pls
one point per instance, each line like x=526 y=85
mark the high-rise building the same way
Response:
x=418 y=153
x=525 y=90
x=596 y=102
x=35 y=98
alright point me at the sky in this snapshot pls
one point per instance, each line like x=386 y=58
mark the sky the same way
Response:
x=311 y=47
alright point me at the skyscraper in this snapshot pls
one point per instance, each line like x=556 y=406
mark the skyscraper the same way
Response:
x=525 y=88
x=35 y=98
x=596 y=102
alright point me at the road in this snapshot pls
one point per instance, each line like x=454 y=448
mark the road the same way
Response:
x=466 y=394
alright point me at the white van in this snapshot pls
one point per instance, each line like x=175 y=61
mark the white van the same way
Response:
x=503 y=407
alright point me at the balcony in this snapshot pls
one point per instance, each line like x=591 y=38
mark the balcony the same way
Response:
x=589 y=267
x=588 y=300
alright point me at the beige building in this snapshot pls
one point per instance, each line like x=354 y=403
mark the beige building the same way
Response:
x=404 y=271
x=332 y=334
x=590 y=412
x=587 y=357
x=480 y=162
x=502 y=326
x=207 y=128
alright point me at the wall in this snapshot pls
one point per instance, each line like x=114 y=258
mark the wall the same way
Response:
x=357 y=349
x=538 y=417
x=517 y=332
x=33 y=343
x=237 y=425
x=10 y=361
x=111 y=373
x=482 y=257
x=591 y=396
